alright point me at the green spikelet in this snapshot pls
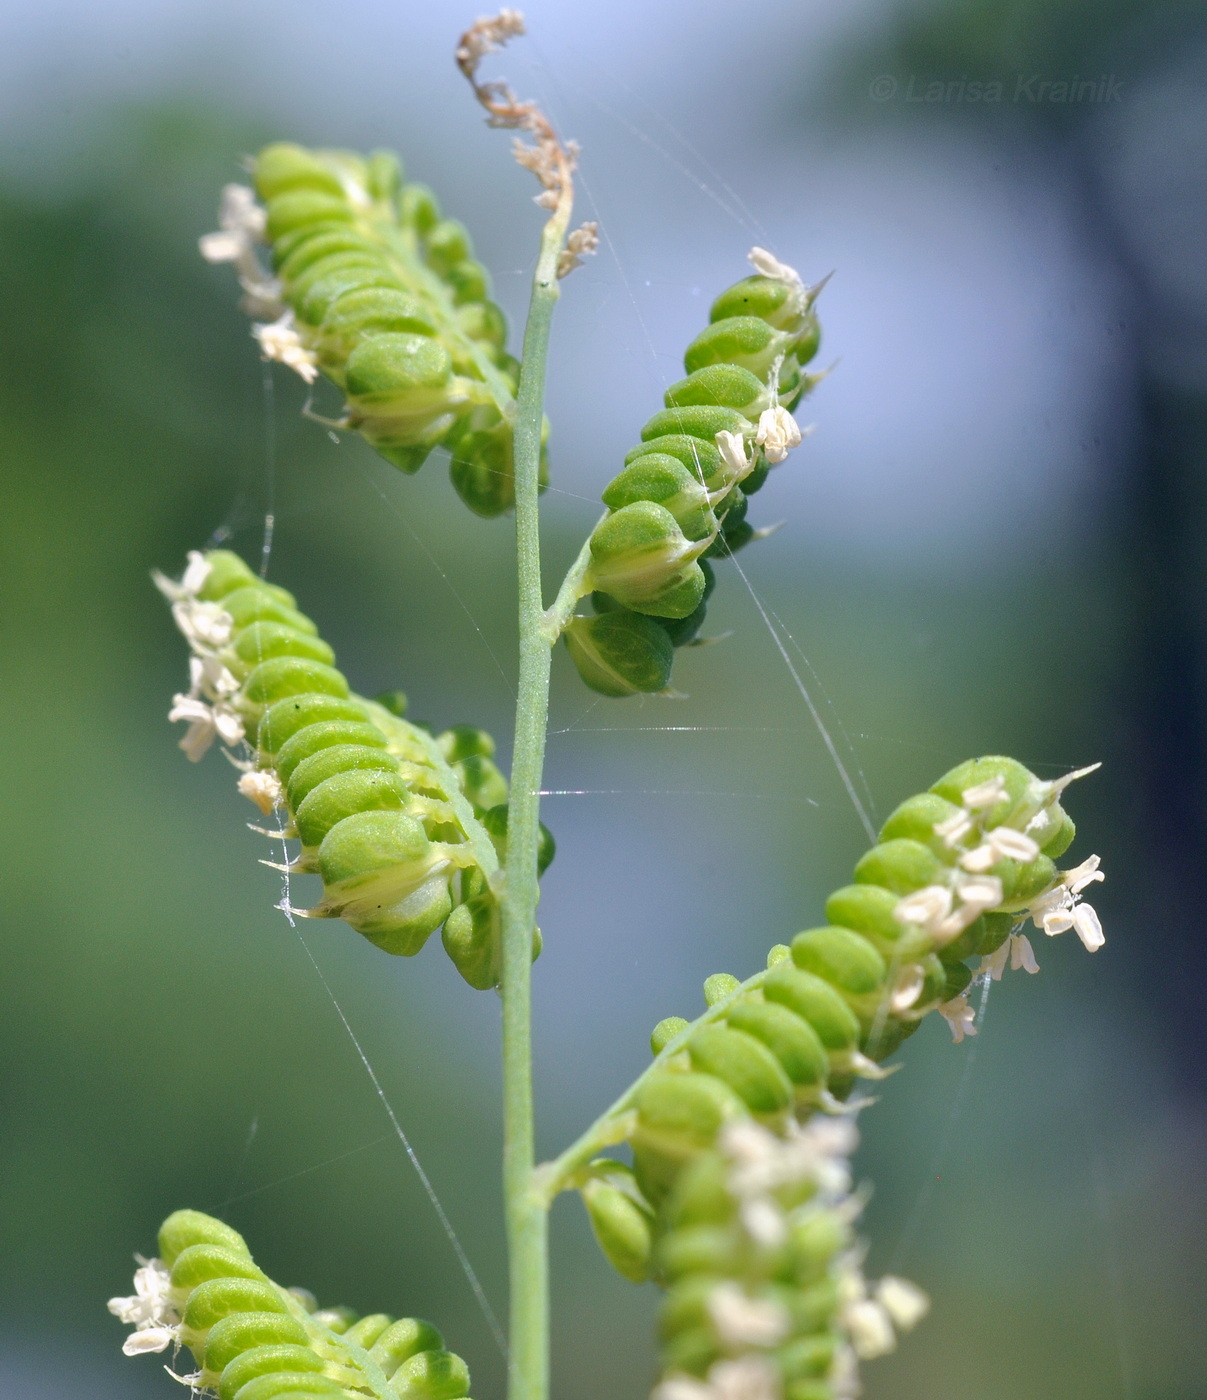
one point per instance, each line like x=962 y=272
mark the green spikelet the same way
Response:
x=740 y=1186
x=681 y=499
x=404 y=828
x=376 y=290
x=254 y=1340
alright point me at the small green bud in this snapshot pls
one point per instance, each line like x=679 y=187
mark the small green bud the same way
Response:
x=702 y=1195
x=692 y=1352
x=385 y=176
x=397 y=385
x=621 y=653
x=303 y=1296
x=314 y=304
x=777 y=953
x=484 y=321
x=842 y=957
x=340 y=758
x=1016 y=779
x=296 y=209
x=464 y=740
x=360 y=258
x=959 y=975
x=916 y=819
x=217 y=1298
x=448 y=243
x=367 y=311
x=326 y=734
x=299 y=1385
x=264 y=1361
x=698 y=1249
x=263 y=640
x=226 y=573
x=681 y=1114
x=305 y=252
x=254 y=603
x=471 y=939
x=817 y=1002
x=814 y=1241
x=243 y=1332
x=703 y=421
x=868 y=909
x=282 y=676
x=284 y=166
x=1029 y=881
x=407 y=1337
x=621 y=1219
x=482 y=470
x=700 y=457
x=200 y=1262
x=665 y=1031
x=790 y=1038
x=901 y=866
x=744 y=341
x=726 y=385
x=393 y=700
x=283 y=720
x=685 y=1307
x=1056 y=845
x=495 y=822
x=365 y=1332
x=337 y=1319
x=482 y=782
x=470 y=282
x=681 y=630
x=719 y=986
x=642 y=558
x=665 y=480
x=781 y=304
x=419 y=208
x=745 y=1064
x=337 y=797
x=431 y=1375
x=185 y=1228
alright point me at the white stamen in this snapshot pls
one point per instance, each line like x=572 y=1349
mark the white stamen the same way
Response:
x=263 y=788
x=778 y=433
x=870 y=1328
x=1022 y=955
x=904 y=1301
x=908 y=987
x=732 y=447
x=985 y=794
x=198 y=570
x=1088 y=927
x=960 y=1017
x=954 y=829
x=745 y=1321
x=279 y=340
x=767 y=265
x=747 y=1378
x=994 y=964
x=925 y=907
x=764 y=1222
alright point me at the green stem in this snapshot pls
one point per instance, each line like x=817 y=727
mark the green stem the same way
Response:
x=527 y=1218
x=572 y=589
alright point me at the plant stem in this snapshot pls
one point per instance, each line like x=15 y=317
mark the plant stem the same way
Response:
x=527 y=1219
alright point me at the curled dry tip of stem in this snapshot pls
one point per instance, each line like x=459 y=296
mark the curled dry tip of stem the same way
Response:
x=549 y=159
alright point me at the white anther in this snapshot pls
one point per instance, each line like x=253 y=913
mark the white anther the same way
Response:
x=778 y=433
x=279 y=340
x=767 y=265
x=985 y=794
x=904 y=1301
x=960 y=1017
x=263 y=788
x=744 y=1321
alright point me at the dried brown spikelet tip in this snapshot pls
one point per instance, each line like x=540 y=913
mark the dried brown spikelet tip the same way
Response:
x=548 y=159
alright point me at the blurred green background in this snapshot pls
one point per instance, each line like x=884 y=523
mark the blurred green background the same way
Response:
x=994 y=543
